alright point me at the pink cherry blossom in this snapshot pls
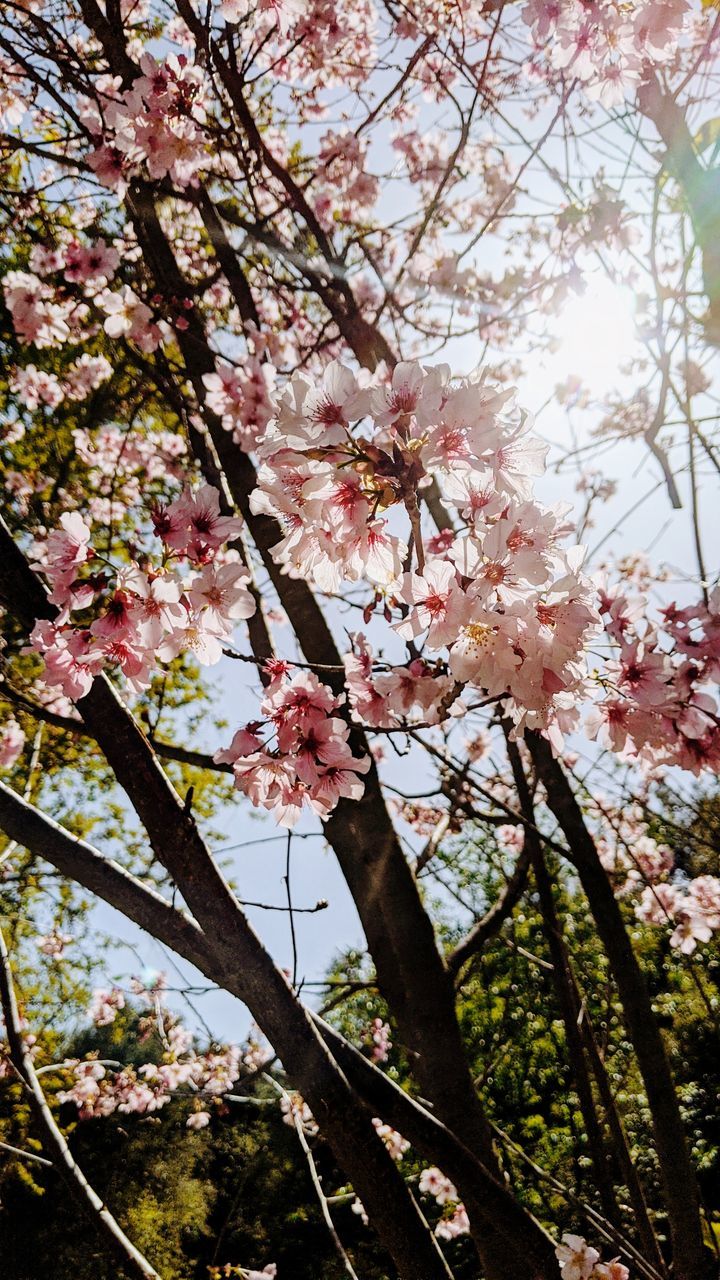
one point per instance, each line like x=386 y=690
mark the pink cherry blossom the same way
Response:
x=53 y=944
x=437 y=604
x=156 y=607
x=457 y=1224
x=128 y=316
x=312 y=762
x=35 y=386
x=377 y=1038
x=434 y=1183
x=219 y=593
x=198 y=1120
x=197 y=527
x=106 y=1005
x=413 y=391
x=577 y=1259
x=12 y=741
x=65 y=551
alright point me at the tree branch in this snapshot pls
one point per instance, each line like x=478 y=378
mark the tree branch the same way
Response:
x=493 y=920
x=691 y=1260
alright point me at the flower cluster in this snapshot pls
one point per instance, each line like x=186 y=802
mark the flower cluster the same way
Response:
x=295 y=1111
x=645 y=870
x=422 y=818
x=579 y=1261
x=658 y=707
x=282 y=13
x=306 y=760
x=693 y=910
x=606 y=45
x=53 y=944
x=503 y=603
x=99 y=1091
x=396 y=1145
x=12 y=99
x=105 y=1006
x=327 y=506
x=127 y=316
x=454 y=1221
x=100 y=1088
x=157 y=123
x=314 y=42
x=128 y=617
x=377 y=1039
x=49 y=305
x=121 y=465
x=91 y=265
x=399 y=695
x=41 y=315
x=241 y=397
x=61 y=301
x=341 y=172
x=603 y=220
x=12 y=741
x=34 y=387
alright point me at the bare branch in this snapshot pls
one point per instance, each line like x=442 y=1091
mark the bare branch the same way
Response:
x=493 y=920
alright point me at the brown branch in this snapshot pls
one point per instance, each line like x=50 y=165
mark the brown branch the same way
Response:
x=691 y=1259
x=434 y=1141
x=228 y=259
x=566 y=992
x=645 y=1229
x=492 y=922
x=651 y=433
x=166 y=750
x=432 y=844
x=319 y=1191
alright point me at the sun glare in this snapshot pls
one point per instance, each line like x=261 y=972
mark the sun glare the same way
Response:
x=596 y=335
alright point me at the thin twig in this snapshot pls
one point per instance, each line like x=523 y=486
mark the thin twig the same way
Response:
x=322 y=1198
x=290 y=910
x=53 y=1139
x=26 y=1155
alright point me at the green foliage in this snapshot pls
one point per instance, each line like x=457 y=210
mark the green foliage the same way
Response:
x=512 y=1024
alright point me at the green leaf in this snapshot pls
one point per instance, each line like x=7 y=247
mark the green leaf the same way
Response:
x=709 y=132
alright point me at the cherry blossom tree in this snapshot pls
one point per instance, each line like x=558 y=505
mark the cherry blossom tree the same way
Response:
x=270 y=275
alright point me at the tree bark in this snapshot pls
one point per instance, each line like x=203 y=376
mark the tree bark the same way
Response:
x=691 y=1260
